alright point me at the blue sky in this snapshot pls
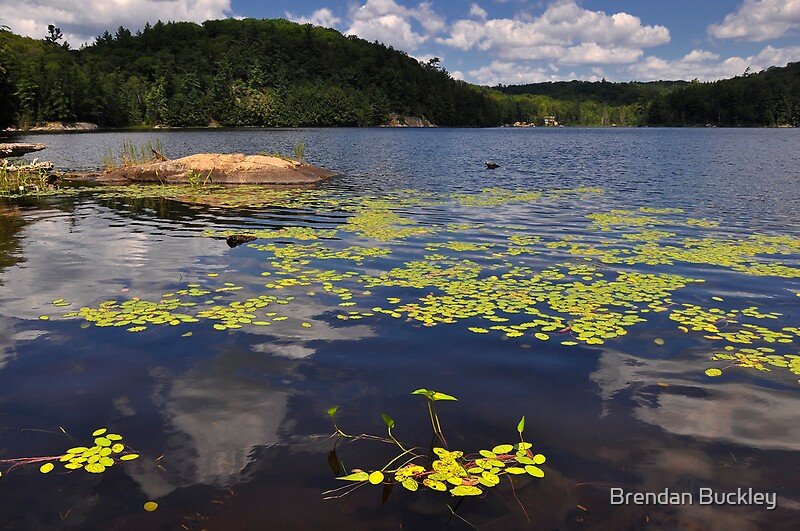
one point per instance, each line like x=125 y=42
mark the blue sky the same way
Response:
x=492 y=41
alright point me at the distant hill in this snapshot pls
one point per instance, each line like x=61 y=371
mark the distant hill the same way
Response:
x=231 y=72
x=598 y=91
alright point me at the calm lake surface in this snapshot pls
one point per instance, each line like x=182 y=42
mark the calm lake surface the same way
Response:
x=589 y=284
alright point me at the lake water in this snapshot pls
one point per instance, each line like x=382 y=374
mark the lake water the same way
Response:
x=593 y=283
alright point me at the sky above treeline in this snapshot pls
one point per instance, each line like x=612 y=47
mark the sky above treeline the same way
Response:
x=491 y=42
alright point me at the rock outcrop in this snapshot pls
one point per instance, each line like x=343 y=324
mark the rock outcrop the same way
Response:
x=396 y=120
x=221 y=169
x=58 y=126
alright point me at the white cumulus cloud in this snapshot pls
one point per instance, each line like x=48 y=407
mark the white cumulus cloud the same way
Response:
x=321 y=17
x=394 y=24
x=759 y=20
x=565 y=32
x=707 y=66
x=509 y=73
x=82 y=21
x=477 y=11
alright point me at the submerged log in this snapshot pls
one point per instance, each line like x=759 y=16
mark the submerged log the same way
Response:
x=17 y=149
x=221 y=169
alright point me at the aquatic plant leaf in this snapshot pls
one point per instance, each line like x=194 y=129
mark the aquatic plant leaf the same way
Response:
x=538 y=459
x=98 y=432
x=46 y=468
x=442 y=396
x=95 y=468
x=355 y=476
x=465 y=490
x=515 y=470
x=713 y=372
x=332 y=411
x=502 y=449
x=77 y=450
x=410 y=484
x=521 y=426
x=375 y=478
x=446 y=455
x=129 y=457
x=388 y=421
x=534 y=471
x=489 y=479
x=150 y=506
x=434 y=484
x=408 y=471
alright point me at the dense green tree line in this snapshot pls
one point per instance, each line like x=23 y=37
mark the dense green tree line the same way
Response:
x=604 y=92
x=278 y=73
x=766 y=99
x=770 y=98
x=234 y=72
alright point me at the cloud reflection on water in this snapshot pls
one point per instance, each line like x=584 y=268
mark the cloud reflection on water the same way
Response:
x=221 y=410
x=692 y=404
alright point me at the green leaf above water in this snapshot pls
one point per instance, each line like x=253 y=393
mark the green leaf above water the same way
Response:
x=355 y=476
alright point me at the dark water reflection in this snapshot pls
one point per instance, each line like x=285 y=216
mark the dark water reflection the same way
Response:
x=232 y=426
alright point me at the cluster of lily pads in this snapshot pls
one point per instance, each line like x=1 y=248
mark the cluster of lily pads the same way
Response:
x=107 y=450
x=453 y=471
x=760 y=358
x=495 y=279
x=461 y=475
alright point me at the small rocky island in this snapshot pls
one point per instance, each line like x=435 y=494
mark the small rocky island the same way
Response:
x=17 y=149
x=218 y=168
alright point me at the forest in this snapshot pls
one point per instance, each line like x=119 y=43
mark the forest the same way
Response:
x=277 y=73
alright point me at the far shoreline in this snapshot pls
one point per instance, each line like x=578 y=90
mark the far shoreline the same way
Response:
x=13 y=133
